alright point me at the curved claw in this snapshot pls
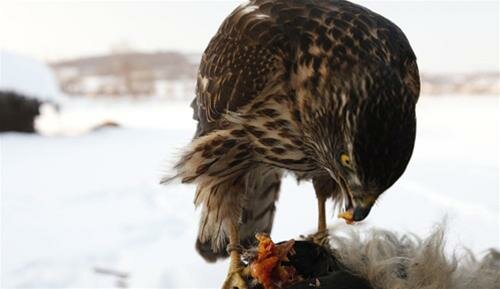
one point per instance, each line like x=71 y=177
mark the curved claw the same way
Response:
x=320 y=238
x=235 y=279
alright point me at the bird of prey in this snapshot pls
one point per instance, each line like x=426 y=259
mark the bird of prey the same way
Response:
x=323 y=89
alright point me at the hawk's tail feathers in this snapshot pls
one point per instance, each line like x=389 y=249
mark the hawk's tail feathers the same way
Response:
x=249 y=199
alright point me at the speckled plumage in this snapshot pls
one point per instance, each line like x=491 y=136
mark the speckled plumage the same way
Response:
x=285 y=85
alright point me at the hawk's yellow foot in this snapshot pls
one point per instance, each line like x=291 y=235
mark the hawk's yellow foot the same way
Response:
x=236 y=273
x=320 y=238
x=235 y=279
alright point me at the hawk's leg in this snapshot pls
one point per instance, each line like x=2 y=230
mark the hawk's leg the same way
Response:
x=235 y=276
x=325 y=187
x=321 y=236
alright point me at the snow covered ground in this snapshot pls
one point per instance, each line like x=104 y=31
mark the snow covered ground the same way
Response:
x=71 y=205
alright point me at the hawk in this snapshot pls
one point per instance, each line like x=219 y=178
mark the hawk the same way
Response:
x=325 y=90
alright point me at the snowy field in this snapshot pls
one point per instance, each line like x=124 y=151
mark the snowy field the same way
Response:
x=74 y=202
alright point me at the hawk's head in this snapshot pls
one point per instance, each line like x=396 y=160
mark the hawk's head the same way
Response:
x=364 y=134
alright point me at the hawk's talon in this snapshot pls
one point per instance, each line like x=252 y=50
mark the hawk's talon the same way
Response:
x=235 y=279
x=320 y=238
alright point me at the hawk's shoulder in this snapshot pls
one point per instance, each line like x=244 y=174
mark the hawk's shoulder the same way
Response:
x=237 y=64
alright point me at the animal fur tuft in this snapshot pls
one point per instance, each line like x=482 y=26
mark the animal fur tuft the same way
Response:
x=391 y=261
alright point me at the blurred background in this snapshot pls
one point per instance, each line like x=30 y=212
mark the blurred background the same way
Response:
x=94 y=108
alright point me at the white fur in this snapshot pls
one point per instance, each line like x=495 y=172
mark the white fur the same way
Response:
x=380 y=257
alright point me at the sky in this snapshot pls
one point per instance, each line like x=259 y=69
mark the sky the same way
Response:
x=447 y=36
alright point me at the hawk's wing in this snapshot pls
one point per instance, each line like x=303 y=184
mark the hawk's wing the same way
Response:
x=248 y=49
x=236 y=66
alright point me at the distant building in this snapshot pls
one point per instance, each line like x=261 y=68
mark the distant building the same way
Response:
x=470 y=84
x=167 y=75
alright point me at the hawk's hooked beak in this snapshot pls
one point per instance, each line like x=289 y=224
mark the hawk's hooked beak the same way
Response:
x=362 y=207
x=357 y=207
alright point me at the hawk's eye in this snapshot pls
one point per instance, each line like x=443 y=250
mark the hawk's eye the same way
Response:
x=345 y=160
